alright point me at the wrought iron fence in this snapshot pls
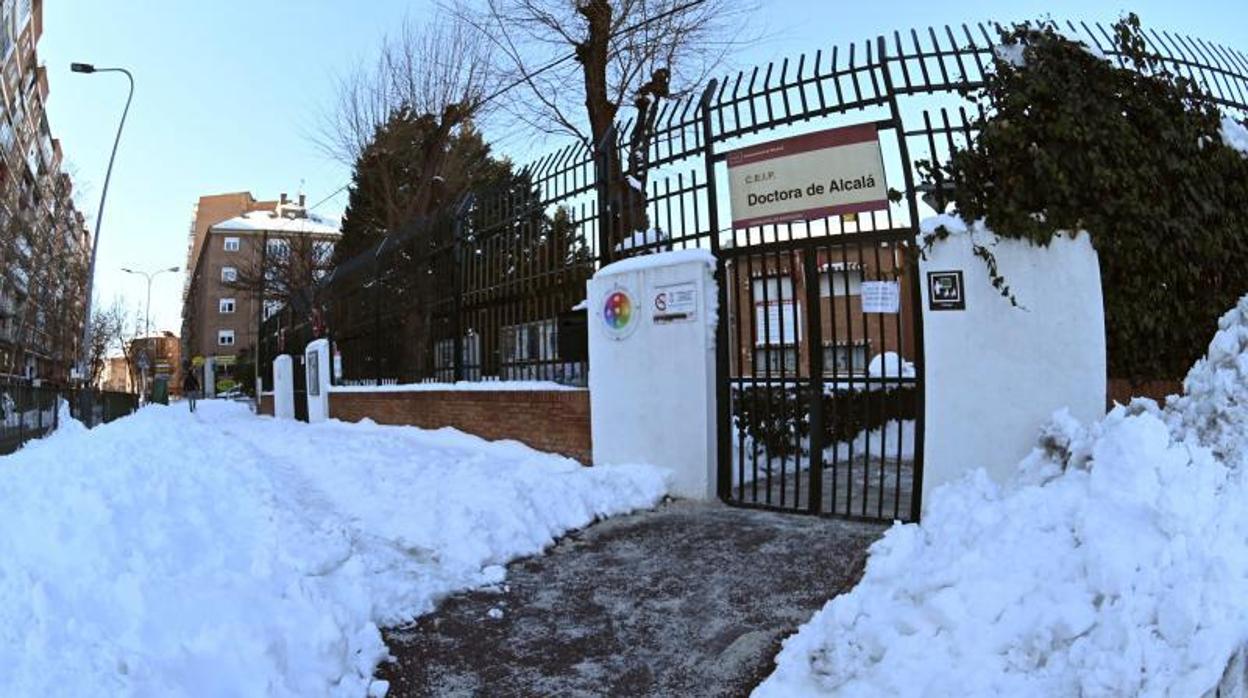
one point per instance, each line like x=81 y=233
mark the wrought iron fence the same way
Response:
x=30 y=412
x=494 y=288
x=488 y=290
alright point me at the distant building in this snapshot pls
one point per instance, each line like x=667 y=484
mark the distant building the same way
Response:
x=123 y=374
x=234 y=234
x=116 y=377
x=44 y=247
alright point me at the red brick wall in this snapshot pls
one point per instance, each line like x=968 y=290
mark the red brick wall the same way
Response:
x=1121 y=390
x=266 y=405
x=548 y=420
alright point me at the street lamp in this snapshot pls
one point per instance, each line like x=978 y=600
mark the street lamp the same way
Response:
x=147 y=318
x=99 y=216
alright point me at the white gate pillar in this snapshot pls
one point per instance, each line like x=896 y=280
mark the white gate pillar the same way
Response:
x=317 y=363
x=283 y=387
x=652 y=366
x=993 y=372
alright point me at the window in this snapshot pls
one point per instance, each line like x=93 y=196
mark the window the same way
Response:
x=229 y=274
x=775 y=360
x=226 y=306
x=844 y=358
x=231 y=244
x=225 y=338
x=531 y=341
x=278 y=248
x=840 y=279
x=775 y=315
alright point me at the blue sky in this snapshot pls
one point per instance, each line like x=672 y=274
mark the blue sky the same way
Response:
x=228 y=95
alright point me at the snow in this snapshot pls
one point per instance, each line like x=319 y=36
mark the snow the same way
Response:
x=229 y=555
x=1115 y=563
x=257 y=221
x=1235 y=134
x=661 y=259
x=890 y=365
x=461 y=386
x=642 y=238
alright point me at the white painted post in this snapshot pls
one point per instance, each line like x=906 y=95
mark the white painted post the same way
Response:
x=210 y=378
x=652 y=366
x=317 y=363
x=994 y=373
x=283 y=387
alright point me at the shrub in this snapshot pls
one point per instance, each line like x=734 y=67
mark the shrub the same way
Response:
x=777 y=417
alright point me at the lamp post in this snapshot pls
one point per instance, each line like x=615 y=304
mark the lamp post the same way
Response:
x=85 y=349
x=147 y=319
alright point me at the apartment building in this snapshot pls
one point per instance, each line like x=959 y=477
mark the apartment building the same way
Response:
x=44 y=246
x=234 y=241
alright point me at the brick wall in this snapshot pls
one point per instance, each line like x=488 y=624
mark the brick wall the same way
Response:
x=1121 y=390
x=547 y=420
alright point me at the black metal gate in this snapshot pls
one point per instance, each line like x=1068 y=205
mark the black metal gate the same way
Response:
x=298 y=364
x=824 y=400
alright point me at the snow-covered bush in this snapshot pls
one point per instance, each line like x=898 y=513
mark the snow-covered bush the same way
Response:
x=1115 y=563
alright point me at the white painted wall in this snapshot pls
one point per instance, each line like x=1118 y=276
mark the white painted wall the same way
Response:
x=652 y=386
x=283 y=387
x=318 y=369
x=995 y=373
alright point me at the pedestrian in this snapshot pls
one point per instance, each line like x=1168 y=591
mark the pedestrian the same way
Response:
x=190 y=387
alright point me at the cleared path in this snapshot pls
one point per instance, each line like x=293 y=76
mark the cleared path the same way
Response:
x=689 y=600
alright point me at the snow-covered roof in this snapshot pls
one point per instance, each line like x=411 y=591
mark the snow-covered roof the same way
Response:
x=296 y=221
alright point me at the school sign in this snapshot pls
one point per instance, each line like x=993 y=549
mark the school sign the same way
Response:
x=806 y=177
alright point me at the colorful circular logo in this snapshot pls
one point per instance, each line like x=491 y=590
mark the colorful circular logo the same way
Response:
x=619 y=313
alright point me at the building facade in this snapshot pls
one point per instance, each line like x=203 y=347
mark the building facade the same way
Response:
x=240 y=251
x=44 y=245
x=770 y=298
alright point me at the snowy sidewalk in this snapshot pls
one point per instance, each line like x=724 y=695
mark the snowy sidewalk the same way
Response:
x=222 y=554
x=686 y=600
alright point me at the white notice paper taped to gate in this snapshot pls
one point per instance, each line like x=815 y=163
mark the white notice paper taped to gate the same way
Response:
x=881 y=297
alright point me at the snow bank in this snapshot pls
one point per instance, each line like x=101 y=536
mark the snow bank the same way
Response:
x=222 y=554
x=1115 y=564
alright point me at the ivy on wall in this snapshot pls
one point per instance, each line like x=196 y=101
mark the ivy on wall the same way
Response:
x=1069 y=140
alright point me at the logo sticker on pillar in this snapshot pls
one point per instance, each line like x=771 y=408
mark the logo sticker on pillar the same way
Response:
x=674 y=302
x=945 y=290
x=619 y=312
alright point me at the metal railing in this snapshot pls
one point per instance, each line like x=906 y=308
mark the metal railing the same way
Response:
x=486 y=289
x=31 y=412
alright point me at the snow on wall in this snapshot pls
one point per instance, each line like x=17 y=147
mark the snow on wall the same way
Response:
x=468 y=386
x=1115 y=563
x=995 y=372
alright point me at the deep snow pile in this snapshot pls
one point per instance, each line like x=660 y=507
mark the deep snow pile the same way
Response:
x=1115 y=564
x=225 y=555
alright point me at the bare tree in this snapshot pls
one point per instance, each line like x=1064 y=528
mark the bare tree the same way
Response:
x=108 y=334
x=427 y=82
x=289 y=271
x=598 y=55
